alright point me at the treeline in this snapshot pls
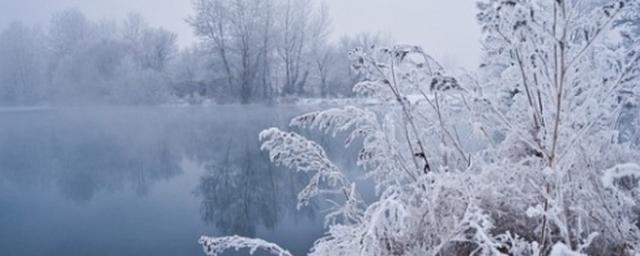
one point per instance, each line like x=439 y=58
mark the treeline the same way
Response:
x=75 y=60
x=247 y=51
x=261 y=50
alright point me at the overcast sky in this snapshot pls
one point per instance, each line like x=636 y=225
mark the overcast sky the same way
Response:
x=445 y=28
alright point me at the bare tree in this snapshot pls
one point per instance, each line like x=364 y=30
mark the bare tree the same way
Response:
x=21 y=65
x=261 y=44
x=235 y=31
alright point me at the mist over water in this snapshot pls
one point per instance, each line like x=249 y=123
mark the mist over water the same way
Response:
x=148 y=180
x=323 y=127
x=113 y=139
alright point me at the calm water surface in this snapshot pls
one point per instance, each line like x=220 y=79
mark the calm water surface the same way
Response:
x=147 y=180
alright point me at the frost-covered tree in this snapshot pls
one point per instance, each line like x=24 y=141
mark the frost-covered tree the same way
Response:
x=336 y=78
x=263 y=49
x=66 y=31
x=151 y=48
x=236 y=33
x=107 y=62
x=520 y=159
x=77 y=60
x=303 y=31
x=22 y=65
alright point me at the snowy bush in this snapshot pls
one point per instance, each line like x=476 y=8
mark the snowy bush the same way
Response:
x=522 y=158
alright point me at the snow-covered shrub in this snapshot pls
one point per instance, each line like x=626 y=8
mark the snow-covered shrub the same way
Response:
x=520 y=159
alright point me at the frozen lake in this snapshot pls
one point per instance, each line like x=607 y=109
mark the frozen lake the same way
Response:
x=147 y=180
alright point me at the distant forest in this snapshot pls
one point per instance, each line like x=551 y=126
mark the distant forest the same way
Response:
x=247 y=51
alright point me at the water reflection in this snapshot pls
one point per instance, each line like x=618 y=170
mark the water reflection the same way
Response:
x=237 y=198
x=244 y=191
x=82 y=159
x=130 y=164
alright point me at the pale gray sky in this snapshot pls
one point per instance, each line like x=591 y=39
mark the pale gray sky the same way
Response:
x=445 y=28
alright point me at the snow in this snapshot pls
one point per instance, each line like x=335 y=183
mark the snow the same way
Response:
x=560 y=249
x=215 y=246
x=542 y=110
x=619 y=171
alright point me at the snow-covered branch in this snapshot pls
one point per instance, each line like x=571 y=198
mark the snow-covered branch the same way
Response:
x=214 y=246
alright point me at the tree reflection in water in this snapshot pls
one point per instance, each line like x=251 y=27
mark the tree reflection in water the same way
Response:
x=131 y=173
x=243 y=192
x=84 y=157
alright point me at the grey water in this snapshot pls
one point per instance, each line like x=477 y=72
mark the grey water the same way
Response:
x=148 y=180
